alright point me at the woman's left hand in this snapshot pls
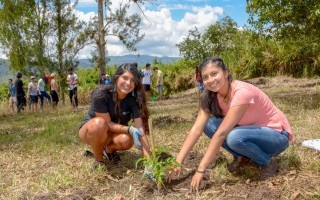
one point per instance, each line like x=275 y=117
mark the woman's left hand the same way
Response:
x=195 y=182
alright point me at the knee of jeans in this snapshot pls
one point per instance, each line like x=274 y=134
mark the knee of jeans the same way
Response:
x=210 y=127
x=233 y=141
x=283 y=146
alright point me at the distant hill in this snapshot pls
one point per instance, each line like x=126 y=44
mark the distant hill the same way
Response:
x=4 y=73
x=141 y=60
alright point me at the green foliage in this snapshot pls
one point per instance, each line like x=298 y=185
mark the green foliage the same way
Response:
x=248 y=54
x=294 y=19
x=3 y=90
x=292 y=29
x=159 y=163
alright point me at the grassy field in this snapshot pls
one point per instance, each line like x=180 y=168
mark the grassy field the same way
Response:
x=41 y=154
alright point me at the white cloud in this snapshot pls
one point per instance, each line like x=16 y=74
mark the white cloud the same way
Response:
x=162 y=32
x=87 y=3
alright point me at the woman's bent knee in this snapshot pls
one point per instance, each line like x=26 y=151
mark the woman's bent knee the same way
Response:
x=124 y=142
x=95 y=127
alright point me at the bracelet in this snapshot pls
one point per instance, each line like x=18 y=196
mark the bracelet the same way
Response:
x=201 y=172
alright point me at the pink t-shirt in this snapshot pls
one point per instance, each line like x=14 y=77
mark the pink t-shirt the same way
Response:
x=261 y=110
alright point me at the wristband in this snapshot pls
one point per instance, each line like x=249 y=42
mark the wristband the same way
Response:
x=201 y=172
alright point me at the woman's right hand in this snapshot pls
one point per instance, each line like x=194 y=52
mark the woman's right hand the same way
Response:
x=135 y=133
x=175 y=172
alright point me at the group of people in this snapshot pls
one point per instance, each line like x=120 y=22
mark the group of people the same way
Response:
x=147 y=80
x=36 y=90
x=234 y=115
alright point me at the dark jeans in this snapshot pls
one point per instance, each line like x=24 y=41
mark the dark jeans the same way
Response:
x=73 y=93
x=44 y=94
x=21 y=102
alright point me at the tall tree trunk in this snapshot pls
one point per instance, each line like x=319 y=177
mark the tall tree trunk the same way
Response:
x=60 y=48
x=101 y=42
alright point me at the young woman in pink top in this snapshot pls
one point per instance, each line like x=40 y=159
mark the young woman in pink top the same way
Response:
x=238 y=117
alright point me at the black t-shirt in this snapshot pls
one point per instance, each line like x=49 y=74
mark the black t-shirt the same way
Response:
x=103 y=103
x=19 y=87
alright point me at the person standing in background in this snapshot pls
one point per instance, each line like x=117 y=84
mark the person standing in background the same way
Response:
x=20 y=94
x=139 y=70
x=146 y=80
x=42 y=91
x=12 y=95
x=199 y=84
x=72 y=81
x=33 y=94
x=53 y=91
x=159 y=82
x=105 y=79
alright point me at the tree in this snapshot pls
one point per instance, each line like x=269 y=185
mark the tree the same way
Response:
x=293 y=27
x=29 y=38
x=192 y=48
x=69 y=37
x=118 y=23
x=14 y=26
x=216 y=40
x=295 y=19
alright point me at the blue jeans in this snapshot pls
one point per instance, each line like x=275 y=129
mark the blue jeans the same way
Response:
x=44 y=94
x=160 y=88
x=255 y=142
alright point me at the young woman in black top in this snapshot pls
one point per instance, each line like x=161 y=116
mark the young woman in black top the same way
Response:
x=105 y=127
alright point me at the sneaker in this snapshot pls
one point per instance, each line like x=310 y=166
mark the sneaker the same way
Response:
x=269 y=170
x=114 y=157
x=237 y=164
x=88 y=153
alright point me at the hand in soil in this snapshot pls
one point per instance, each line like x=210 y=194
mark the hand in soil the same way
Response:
x=173 y=173
x=196 y=180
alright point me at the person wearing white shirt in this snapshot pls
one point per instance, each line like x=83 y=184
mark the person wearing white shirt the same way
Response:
x=146 y=80
x=72 y=81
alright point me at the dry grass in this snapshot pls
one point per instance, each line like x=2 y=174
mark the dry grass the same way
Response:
x=41 y=154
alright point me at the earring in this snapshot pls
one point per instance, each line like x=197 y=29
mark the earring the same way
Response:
x=132 y=93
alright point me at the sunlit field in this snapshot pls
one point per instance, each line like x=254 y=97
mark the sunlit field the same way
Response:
x=41 y=156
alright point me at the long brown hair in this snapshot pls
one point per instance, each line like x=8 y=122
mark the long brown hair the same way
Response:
x=209 y=101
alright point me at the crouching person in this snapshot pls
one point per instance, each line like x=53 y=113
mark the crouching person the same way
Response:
x=240 y=118
x=105 y=127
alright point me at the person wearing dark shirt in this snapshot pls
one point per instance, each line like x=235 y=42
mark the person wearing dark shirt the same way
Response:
x=21 y=99
x=105 y=79
x=106 y=125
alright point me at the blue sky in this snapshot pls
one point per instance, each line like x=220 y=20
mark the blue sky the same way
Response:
x=169 y=21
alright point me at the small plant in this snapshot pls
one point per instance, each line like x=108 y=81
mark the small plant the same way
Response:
x=158 y=164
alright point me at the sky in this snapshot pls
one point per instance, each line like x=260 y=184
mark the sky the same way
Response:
x=168 y=23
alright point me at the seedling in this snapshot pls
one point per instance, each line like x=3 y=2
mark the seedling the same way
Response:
x=158 y=164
